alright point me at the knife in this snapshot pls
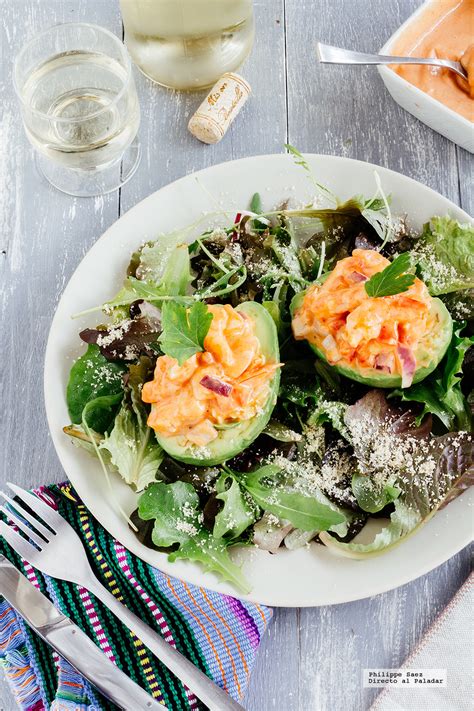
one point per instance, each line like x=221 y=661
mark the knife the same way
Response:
x=70 y=642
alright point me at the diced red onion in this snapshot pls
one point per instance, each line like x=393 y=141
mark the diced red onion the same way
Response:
x=358 y=277
x=217 y=386
x=384 y=362
x=408 y=361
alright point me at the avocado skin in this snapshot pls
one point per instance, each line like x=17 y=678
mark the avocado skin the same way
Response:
x=234 y=440
x=377 y=379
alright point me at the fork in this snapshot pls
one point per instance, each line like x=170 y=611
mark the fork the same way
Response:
x=327 y=54
x=55 y=549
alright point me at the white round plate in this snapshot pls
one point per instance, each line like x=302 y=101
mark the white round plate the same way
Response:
x=312 y=575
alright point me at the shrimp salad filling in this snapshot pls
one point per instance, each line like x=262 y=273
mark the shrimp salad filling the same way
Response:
x=283 y=379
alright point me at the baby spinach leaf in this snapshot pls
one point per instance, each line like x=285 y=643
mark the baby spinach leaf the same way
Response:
x=391 y=280
x=302 y=510
x=93 y=376
x=237 y=514
x=370 y=497
x=98 y=414
x=175 y=510
x=184 y=330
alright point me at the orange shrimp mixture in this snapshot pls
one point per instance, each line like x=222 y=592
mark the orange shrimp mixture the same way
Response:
x=232 y=362
x=355 y=330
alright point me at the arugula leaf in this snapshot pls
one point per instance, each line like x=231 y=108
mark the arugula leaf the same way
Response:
x=256 y=204
x=440 y=393
x=445 y=255
x=403 y=522
x=370 y=497
x=236 y=515
x=280 y=432
x=184 y=330
x=225 y=284
x=391 y=280
x=175 y=510
x=92 y=376
x=303 y=511
x=131 y=444
x=301 y=161
x=135 y=289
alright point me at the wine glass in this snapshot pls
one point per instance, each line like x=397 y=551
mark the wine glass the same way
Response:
x=80 y=108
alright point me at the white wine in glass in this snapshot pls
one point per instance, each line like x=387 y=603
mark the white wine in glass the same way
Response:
x=80 y=108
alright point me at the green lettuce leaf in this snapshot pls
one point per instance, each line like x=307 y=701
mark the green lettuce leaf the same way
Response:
x=166 y=262
x=133 y=449
x=237 y=513
x=164 y=271
x=177 y=521
x=440 y=393
x=427 y=471
x=445 y=255
x=302 y=510
x=333 y=412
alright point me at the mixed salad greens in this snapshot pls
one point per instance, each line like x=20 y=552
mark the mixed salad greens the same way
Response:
x=326 y=452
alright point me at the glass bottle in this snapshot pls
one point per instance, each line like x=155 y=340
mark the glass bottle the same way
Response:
x=188 y=44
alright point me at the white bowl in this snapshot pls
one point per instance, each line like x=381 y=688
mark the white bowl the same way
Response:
x=432 y=112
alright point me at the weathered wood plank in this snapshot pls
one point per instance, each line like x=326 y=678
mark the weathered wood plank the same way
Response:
x=466 y=179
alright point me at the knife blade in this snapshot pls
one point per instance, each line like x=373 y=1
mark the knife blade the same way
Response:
x=70 y=642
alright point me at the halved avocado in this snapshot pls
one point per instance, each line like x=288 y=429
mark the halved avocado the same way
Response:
x=436 y=346
x=235 y=439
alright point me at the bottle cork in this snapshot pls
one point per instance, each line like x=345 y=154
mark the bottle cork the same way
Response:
x=220 y=107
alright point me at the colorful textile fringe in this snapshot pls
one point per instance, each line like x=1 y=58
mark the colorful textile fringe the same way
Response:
x=218 y=633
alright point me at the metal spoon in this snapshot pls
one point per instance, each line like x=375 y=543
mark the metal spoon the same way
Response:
x=335 y=55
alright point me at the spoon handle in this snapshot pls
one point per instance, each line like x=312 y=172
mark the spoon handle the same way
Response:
x=336 y=55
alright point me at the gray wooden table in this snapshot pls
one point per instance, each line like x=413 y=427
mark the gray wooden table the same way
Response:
x=310 y=659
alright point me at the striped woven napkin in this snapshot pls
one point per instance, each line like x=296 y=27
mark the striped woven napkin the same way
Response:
x=218 y=633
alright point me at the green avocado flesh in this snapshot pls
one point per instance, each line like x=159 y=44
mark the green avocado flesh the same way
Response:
x=438 y=344
x=235 y=439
